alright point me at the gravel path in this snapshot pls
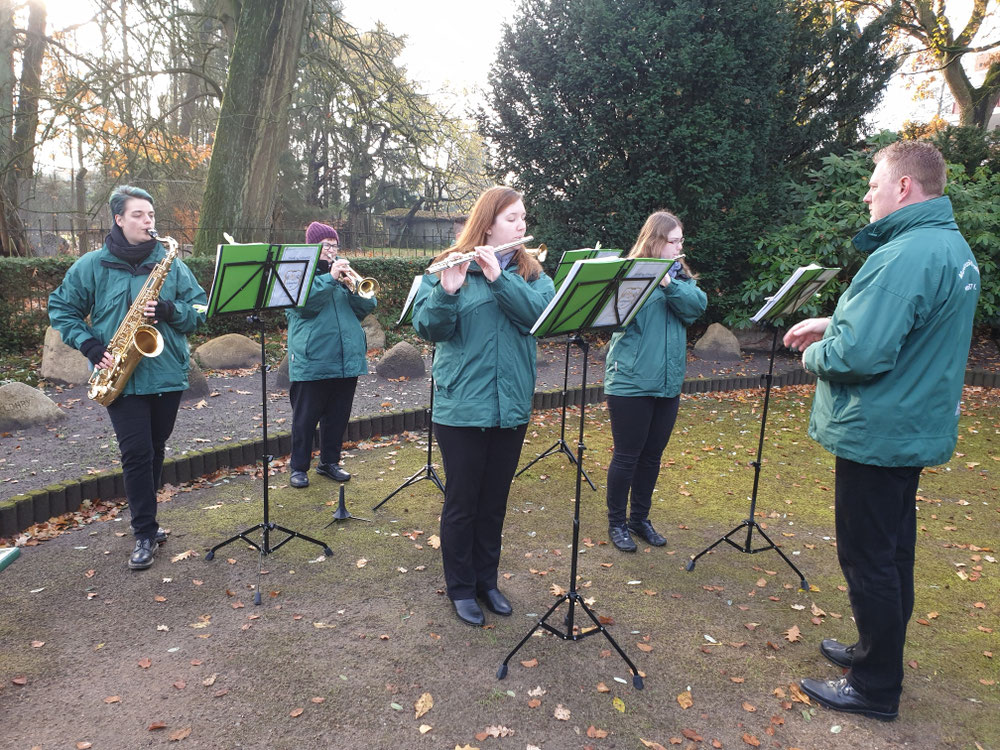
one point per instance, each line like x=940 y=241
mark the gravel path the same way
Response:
x=85 y=442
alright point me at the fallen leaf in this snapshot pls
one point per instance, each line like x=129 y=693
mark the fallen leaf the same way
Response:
x=180 y=685
x=685 y=700
x=361 y=562
x=534 y=703
x=751 y=740
x=792 y=634
x=561 y=713
x=424 y=704
x=798 y=696
x=602 y=688
x=596 y=734
x=180 y=734
x=145 y=663
x=113 y=699
x=644 y=647
x=209 y=681
x=434 y=541
x=20 y=680
x=619 y=705
x=652 y=745
x=83 y=745
x=183 y=555
x=749 y=707
x=530 y=663
x=295 y=712
x=156 y=725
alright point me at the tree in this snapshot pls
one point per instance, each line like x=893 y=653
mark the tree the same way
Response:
x=928 y=22
x=603 y=115
x=252 y=129
x=18 y=123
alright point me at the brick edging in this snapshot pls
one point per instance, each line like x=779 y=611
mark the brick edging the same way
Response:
x=21 y=511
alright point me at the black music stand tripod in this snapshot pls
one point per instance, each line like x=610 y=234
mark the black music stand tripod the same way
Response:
x=573 y=596
x=750 y=523
x=603 y=296
x=426 y=471
x=272 y=288
x=560 y=445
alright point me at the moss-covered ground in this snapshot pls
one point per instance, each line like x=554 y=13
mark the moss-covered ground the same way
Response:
x=343 y=648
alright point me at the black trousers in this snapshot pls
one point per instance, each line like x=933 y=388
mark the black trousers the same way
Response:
x=142 y=425
x=327 y=402
x=479 y=466
x=640 y=427
x=876 y=537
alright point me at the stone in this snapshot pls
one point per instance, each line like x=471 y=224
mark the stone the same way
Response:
x=718 y=344
x=62 y=363
x=754 y=339
x=47 y=244
x=374 y=335
x=23 y=406
x=279 y=377
x=402 y=360
x=232 y=351
x=197 y=383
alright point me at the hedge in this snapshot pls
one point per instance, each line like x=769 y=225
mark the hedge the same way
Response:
x=25 y=284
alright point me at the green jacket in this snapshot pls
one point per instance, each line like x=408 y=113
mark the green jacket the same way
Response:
x=892 y=362
x=104 y=287
x=325 y=338
x=484 y=365
x=649 y=358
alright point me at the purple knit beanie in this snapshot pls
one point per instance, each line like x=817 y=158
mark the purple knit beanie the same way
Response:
x=316 y=233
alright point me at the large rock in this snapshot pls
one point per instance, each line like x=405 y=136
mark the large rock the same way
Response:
x=754 y=339
x=197 y=383
x=24 y=406
x=374 y=335
x=718 y=344
x=403 y=360
x=279 y=378
x=62 y=363
x=233 y=351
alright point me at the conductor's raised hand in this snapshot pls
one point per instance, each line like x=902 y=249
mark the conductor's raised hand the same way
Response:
x=452 y=278
x=805 y=332
x=487 y=260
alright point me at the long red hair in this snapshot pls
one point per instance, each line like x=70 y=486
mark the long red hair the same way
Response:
x=488 y=206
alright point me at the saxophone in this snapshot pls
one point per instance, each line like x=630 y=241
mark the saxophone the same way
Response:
x=135 y=338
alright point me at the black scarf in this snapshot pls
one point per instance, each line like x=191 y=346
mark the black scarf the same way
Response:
x=120 y=247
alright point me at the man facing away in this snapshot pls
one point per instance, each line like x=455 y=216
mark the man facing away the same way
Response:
x=890 y=365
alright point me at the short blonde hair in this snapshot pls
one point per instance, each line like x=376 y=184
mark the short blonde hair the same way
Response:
x=918 y=160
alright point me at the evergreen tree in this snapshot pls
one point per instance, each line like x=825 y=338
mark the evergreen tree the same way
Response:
x=606 y=110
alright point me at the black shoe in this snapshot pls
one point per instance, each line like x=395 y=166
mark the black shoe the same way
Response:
x=496 y=602
x=142 y=555
x=333 y=471
x=468 y=611
x=621 y=539
x=645 y=529
x=161 y=536
x=298 y=479
x=840 y=695
x=837 y=652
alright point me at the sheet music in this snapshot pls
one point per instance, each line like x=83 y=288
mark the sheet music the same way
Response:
x=292 y=274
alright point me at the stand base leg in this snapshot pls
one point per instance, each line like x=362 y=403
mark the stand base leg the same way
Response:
x=426 y=472
x=560 y=446
x=747 y=548
x=265 y=548
x=571 y=634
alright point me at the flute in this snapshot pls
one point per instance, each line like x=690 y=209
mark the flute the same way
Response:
x=459 y=258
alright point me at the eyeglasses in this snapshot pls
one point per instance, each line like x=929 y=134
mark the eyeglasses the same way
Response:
x=679 y=242
x=330 y=245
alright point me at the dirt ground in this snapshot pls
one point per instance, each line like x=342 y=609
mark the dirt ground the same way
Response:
x=85 y=442
x=345 y=651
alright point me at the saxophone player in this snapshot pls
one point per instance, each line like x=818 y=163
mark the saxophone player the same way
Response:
x=103 y=285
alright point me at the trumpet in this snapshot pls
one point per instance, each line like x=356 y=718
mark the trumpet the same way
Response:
x=363 y=286
x=459 y=258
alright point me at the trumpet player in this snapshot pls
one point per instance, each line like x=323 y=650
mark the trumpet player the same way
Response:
x=480 y=312
x=326 y=354
x=102 y=285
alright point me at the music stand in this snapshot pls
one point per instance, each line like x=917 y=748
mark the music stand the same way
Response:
x=251 y=279
x=561 y=446
x=598 y=294
x=342 y=513
x=795 y=292
x=426 y=471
